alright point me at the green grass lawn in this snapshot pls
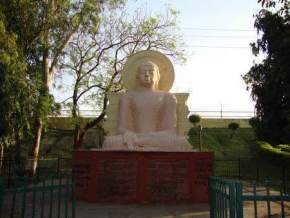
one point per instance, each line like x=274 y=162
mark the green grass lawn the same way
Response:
x=241 y=149
x=226 y=146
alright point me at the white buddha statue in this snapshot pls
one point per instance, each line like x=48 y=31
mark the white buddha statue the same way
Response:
x=147 y=116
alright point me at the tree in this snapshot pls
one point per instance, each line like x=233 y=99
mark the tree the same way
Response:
x=194 y=119
x=96 y=58
x=15 y=98
x=233 y=127
x=43 y=30
x=269 y=81
x=196 y=131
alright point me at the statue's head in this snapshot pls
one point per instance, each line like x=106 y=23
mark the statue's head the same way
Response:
x=160 y=66
x=148 y=74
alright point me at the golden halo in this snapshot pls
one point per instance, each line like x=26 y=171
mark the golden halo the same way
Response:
x=165 y=66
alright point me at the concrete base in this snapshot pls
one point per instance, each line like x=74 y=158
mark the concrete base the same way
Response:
x=142 y=177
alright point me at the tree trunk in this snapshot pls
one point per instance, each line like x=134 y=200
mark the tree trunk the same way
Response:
x=77 y=134
x=1 y=157
x=39 y=121
x=36 y=145
x=82 y=132
x=81 y=137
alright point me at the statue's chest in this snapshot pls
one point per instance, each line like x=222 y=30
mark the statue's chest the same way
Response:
x=147 y=103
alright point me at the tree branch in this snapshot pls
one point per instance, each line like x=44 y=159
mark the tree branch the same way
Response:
x=88 y=89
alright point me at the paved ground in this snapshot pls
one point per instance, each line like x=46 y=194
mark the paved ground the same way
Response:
x=86 y=210
x=93 y=210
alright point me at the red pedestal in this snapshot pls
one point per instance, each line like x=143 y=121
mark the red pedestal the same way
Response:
x=142 y=177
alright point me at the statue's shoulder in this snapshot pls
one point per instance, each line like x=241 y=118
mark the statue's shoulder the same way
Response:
x=127 y=96
x=169 y=97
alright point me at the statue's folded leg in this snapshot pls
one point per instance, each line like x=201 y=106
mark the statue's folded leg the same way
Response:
x=114 y=143
x=149 y=142
x=163 y=142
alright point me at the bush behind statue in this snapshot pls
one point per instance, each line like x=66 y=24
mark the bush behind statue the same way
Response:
x=194 y=119
x=233 y=127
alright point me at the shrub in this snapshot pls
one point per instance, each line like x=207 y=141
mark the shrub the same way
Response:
x=284 y=147
x=254 y=122
x=194 y=119
x=233 y=126
x=274 y=154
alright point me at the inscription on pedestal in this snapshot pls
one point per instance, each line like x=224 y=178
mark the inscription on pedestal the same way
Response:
x=116 y=179
x=142 y=177
x=203 y=169
x=167 y=180
x=81 y=173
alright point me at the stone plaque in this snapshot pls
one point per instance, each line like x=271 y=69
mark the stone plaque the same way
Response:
x=116 y=179
x=167 y=180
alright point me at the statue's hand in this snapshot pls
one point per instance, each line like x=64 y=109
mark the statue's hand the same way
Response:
x=129 y=139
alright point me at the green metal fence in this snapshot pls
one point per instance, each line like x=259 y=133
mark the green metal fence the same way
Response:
x=12 y=168
x=52 y=196
x=228 y=197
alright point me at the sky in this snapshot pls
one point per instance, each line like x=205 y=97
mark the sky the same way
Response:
x=217 y=35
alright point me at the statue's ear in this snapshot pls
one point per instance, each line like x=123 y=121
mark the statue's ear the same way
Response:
x=137 y=75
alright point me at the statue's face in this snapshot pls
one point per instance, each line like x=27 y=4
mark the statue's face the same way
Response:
x=147 y=75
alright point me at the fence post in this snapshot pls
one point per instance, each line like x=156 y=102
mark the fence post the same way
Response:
x=58 y=165
x=9 y=172
x=1 y=195
x=239 y=163
x=239 y=200
x=73 y=197
x=257 y=173
x=200 y=137
x=212 y=198
x=232 y=199
x=284 y=178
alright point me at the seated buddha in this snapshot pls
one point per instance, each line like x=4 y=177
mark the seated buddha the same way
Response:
x=147 y=115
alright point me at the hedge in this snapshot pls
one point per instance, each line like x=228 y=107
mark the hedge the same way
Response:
x=274 y=154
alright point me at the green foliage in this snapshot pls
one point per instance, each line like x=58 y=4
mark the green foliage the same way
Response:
x=274 y=154
x=194 y=119
x=193 y=136
x=284 y=148
x=15 y=99
x=47 y=106
x=269 y=81
x=41 y=31
x=254 y=122
x=233 y=127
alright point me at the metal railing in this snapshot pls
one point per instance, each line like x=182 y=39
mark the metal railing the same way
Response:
x=249 y=169
x=218 y=114
x=30 y=197
x=224 y=114
x=228 y=197
x=12 y=169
